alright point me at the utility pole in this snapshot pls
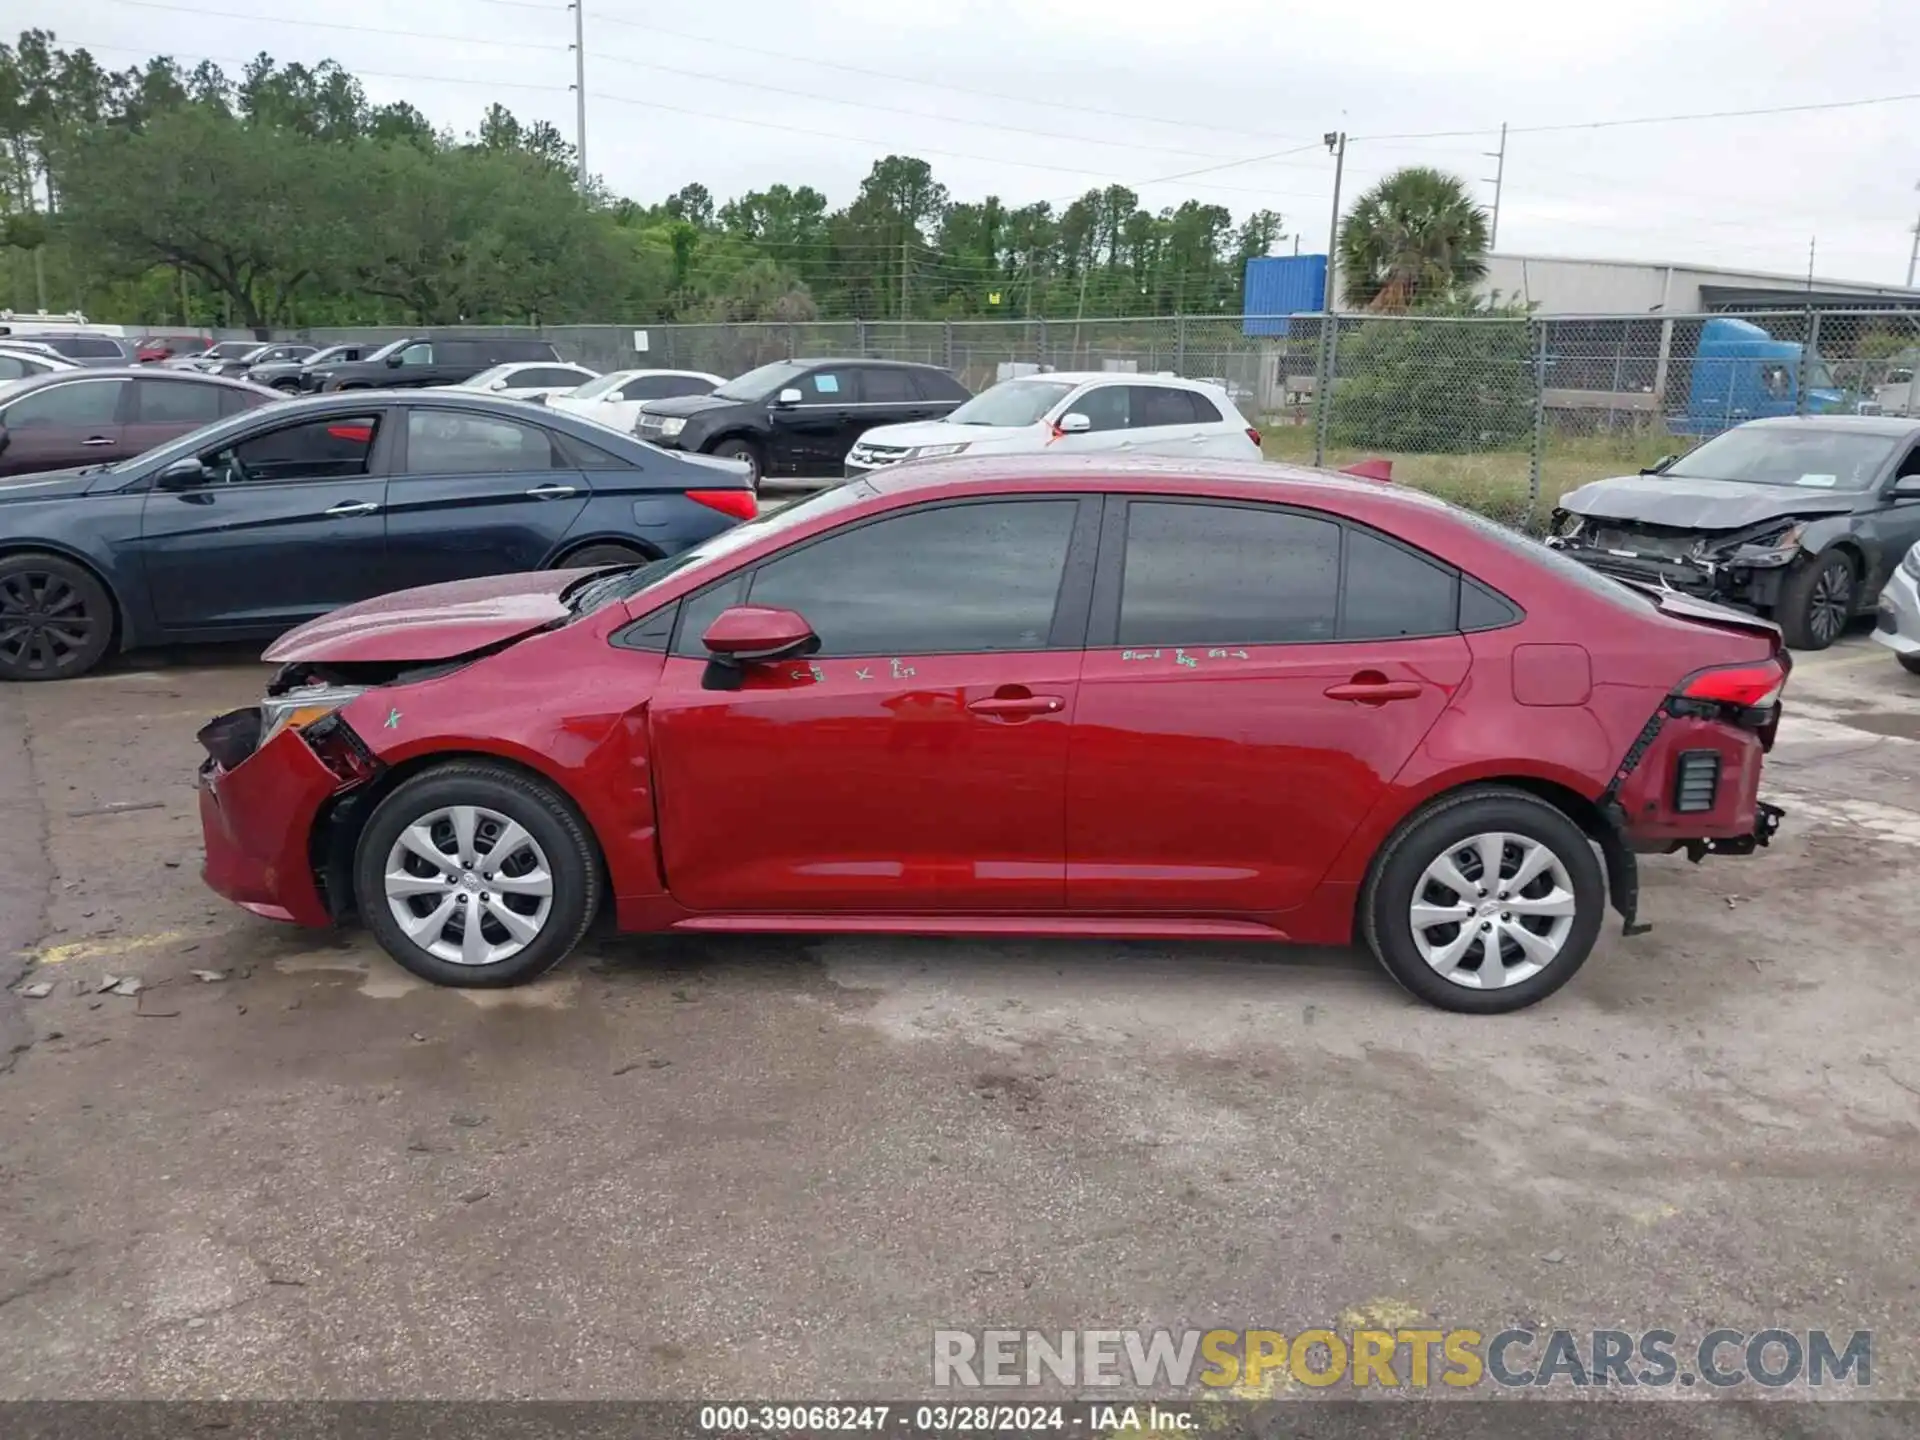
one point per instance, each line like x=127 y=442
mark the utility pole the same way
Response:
x=1499 y=181
x=1913 y=255
x=579 y=8
x=1337 y=145
x=1813 y=242
x=906 y=229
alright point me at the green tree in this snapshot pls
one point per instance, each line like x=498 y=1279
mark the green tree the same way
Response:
x=1415 y=239
x=1452 y=379
x=253 y=212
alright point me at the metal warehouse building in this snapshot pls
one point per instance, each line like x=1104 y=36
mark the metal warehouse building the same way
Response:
x=1564 y=285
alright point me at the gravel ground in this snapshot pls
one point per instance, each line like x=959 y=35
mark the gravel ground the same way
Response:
x=716 y=1167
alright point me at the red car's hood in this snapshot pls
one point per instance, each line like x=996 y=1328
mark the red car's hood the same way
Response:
x=434 y=622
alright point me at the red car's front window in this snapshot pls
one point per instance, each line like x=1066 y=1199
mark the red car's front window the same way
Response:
x=627 y=584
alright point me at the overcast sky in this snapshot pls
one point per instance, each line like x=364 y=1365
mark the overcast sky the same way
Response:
x=1040 y=99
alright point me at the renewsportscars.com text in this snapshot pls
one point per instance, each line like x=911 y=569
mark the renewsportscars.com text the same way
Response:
x=1261 y=1361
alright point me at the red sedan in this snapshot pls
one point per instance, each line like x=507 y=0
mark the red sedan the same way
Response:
x=1034 y=697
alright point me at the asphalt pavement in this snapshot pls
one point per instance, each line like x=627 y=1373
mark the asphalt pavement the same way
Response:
x=727 y=1166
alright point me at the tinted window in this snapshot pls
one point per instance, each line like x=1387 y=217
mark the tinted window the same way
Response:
x=1105 y=406
x=1159 y=405
x=827 y=387
x=960 y=578
x=1482 y=609
x=175 y=402
x=445 y=442
x=664 y=387
x=92 y=402
x=14 y=367
x=421 y=354
x=883 y=386
x=232 y=402
x=85 y=347
x=547 y=375
x=1227 y=575
x=339 y=447
x=1204 y=410
x=573 y=453
x=498 y=350
x=1391 y=591
x=938 y=385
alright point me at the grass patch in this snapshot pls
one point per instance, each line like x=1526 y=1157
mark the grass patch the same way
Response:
x=1495 y=483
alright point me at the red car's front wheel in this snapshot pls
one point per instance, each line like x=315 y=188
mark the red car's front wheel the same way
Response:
x=476 y=875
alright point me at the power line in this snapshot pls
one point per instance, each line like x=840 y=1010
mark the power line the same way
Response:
x=1652 y=119
x=733 y=80
x=950 y=154
x=334 y=25
x=1077 y=109
x=356 y=72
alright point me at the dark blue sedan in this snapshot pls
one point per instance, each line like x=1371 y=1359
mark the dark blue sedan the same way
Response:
x=250 y=526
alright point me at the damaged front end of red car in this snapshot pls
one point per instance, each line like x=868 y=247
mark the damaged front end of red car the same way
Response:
x=261 y=803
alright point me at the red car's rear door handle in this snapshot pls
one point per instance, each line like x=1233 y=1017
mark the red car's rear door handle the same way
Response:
x=1018 y=705
x=1376 y=692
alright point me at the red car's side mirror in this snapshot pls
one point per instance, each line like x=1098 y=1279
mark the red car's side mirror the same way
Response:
x=749 y=633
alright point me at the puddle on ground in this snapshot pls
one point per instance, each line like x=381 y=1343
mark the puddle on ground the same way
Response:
x=381 y=979
x=1899 y=724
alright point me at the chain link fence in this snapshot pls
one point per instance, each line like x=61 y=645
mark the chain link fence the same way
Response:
x=1503 y=414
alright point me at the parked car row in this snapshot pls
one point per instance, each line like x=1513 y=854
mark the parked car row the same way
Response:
x=851 y=417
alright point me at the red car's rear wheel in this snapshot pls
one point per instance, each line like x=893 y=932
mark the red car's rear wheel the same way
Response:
x=1487 y=901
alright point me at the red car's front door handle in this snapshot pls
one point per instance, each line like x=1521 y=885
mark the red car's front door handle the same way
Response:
x=1375 y=692
x=1018 y=705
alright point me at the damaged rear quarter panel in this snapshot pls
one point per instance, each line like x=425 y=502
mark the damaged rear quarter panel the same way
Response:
x=566 y=705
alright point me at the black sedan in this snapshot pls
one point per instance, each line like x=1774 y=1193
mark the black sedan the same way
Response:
x=801 y=417
x=250 y=526
x=1803 y=518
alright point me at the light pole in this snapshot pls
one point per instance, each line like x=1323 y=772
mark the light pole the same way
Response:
x=1337 y=146
x=579 y=8
x=1913 y=255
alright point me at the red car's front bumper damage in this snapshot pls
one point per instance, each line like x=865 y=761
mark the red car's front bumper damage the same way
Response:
x=260 y=811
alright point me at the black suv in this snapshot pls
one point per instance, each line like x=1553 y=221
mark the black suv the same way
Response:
x=423 y=360
x=800 y=417
x=290 y=375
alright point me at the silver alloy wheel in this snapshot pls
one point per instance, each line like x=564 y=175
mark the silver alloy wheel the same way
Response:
x=469 y=885
x=1493 y=910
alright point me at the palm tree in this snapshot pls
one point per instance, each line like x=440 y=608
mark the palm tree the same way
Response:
x=1416 y=237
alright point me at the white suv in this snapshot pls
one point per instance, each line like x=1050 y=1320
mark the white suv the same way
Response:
x=1075 y=414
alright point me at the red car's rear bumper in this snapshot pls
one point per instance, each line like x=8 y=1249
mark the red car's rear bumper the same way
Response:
x=257 y=819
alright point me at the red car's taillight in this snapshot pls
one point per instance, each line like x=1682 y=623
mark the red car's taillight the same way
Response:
x=1748 y=687
x=738 y=503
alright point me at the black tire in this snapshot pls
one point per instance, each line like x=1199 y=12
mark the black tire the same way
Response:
x=549 y=819
x=590 y=555
x=1386 y=904
x=287 y=387
x=1909 y=663
x=56 y=618
x=1817 y=600
x=748 y=451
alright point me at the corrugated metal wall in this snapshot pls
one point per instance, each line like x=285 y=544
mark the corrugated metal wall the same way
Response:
x=1283 y=285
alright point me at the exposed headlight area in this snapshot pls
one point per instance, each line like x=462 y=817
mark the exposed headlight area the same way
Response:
x=297 y=709
x=312 y=711
x=1778 y=548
